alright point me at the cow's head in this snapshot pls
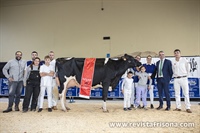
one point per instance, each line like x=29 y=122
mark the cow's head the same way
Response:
x=131 y=60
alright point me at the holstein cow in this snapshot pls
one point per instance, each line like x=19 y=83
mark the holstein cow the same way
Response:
x=106 y=74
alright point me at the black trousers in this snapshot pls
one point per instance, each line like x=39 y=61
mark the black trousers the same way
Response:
x=34 y=91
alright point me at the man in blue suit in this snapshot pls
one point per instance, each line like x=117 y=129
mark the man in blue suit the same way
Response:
x=164 y=74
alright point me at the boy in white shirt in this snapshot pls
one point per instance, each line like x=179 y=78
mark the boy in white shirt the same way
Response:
x=46 y=73
x=127 y=86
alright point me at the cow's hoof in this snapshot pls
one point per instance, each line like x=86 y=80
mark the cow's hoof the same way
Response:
x=64 y=110
x=105 y=111
x=68 y=108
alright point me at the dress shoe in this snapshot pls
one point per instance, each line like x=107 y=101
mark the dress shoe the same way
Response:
x=177 y=109
x=152 y=106
x=188 y=110
x=16 y=108
x=129 y=108
x=40 y=110
x=7 y=110
x=49 y=110
x=33 y=110
x=159 y=108
x=140 y=107
x=25 y=110
x=167 y=109
x=132 y=106
x=125 y=109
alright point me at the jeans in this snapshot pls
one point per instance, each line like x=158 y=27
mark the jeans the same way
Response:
x=15 y=89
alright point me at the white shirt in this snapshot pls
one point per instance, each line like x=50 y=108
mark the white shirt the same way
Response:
x=127 y=84
x=181 y=67
x=46 y=80
x=53 y=64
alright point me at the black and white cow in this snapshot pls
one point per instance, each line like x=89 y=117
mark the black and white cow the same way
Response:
x=107 y=74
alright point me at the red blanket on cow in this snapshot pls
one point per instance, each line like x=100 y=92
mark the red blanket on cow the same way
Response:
x=87 y=77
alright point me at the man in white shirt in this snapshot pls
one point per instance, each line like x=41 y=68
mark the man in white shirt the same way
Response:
x=181 y=69
x=54 y=81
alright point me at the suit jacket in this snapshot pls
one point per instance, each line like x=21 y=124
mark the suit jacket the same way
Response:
x=166 y=70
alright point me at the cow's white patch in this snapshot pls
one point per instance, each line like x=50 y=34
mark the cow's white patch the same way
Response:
x=104 y=106
x=96 y=86
x=106 y=60
x=67 y=84
x=110 y=88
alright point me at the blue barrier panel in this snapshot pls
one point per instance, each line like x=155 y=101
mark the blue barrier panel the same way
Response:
x=194 y=87
x=4 y=91
x=96 y=93
x=4 y=86
x=72 y=92
x=194 y=90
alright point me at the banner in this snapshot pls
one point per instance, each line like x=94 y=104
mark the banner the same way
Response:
x=87 y=77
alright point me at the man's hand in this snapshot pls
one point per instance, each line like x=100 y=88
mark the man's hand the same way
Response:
x=10 y=79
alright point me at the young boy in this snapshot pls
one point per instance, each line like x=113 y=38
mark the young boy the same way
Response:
x=46 y=73
x=127 y=86
x=141 y=88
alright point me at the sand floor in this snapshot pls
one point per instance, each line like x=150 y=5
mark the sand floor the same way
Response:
x=86 y=116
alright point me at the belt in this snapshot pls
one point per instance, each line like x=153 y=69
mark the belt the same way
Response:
x=180 y=77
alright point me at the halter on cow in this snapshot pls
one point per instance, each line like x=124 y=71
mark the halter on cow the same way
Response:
x=107 y=74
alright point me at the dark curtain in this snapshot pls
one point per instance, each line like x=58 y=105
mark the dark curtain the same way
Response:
x=2 y=64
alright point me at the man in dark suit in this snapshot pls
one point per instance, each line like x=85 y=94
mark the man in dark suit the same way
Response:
x=164 y=74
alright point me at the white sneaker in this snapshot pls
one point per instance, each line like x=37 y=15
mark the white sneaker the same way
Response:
x=135 y=107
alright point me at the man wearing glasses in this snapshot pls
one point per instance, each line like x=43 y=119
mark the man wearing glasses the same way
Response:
x=15 y=80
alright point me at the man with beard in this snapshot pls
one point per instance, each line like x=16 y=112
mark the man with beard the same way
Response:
x=15 y=80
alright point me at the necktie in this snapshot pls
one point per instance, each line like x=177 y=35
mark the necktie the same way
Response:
x=160 y=70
